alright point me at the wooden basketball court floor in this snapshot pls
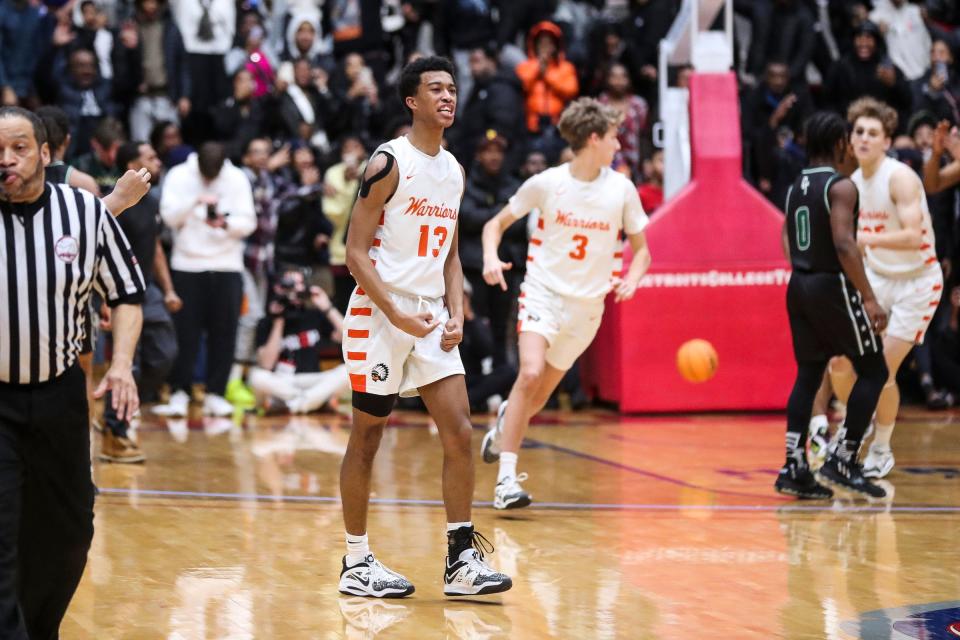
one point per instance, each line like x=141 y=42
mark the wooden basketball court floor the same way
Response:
x=663 y=527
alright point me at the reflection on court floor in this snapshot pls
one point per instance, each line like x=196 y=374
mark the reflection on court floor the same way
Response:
x=653 y=528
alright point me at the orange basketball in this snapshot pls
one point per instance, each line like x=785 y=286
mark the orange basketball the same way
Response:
x=697 y=360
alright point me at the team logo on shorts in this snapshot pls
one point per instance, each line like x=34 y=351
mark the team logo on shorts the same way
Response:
x=380 y=373
x=67 y=248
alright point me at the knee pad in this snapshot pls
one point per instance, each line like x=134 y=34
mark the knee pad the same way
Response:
x=872 y=367
x=375 y=405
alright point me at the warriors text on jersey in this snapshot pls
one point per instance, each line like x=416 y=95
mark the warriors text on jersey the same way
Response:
x=577 y=243
x=879 y=213
x=808 y=221
x=418 y=221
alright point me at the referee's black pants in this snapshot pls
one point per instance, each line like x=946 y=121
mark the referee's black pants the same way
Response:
x=46 y=503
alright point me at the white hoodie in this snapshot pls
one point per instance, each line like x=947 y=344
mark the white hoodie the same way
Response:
x=196 y=245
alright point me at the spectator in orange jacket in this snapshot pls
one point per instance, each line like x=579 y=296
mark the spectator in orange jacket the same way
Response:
x=549 y=80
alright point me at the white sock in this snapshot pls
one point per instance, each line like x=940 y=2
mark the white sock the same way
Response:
x=818 y=422
x=881 y=437
x=358 y=548
x=453 y=526
x=236 y=372
x=508 y=466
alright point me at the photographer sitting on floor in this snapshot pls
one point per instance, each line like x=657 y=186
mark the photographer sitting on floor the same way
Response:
x=300 y=322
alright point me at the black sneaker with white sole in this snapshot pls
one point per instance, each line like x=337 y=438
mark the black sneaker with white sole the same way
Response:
x=465 y=572
x=849 y=475
x=796 y=479
x=372 y=579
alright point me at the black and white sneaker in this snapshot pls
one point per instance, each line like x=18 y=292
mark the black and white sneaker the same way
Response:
x=849 y=475
x=508 y=494
x=490 y=446
x=468 y=574
x=372 y=579
x=796 y=479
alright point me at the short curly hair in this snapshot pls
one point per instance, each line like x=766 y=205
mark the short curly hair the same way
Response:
x=585 y=116
x=873 y=108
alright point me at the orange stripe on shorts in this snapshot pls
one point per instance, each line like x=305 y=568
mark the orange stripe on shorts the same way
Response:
x=358 y=382
x=919 y=336
x=529 y=258
x=930 y=260
x=358 y=333
x=540 y=223
x=376 y=242
x=361 y=311
x=356 y=355
x=536 y=241
x=361 y=292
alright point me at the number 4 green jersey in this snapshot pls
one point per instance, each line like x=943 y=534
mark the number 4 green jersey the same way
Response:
x=808 y=221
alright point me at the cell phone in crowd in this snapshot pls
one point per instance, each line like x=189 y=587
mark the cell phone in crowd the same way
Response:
x=211 y=212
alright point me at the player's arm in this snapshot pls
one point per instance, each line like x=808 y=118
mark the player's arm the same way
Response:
x=453 y=282
x=907 y=196
x=85 y=181
x=379 y=182
x=129 y=190
x=843 y=202
x=935 y=177
x=638 y=266
x=493 y=267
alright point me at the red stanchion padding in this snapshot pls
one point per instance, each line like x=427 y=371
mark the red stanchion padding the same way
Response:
x=718 y=274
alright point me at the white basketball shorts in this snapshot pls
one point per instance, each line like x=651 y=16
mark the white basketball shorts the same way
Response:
x=568 y=324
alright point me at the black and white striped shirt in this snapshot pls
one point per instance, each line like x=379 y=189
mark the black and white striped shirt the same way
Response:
x=53 y=252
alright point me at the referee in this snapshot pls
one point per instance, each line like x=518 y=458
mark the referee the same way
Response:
x=56 y=245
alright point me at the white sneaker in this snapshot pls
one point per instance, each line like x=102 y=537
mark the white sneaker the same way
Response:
x=878 y=463
x=469 y=575
x=819 y=444
x=508 y=493
x=370 y=578
x=490 y=446
x=176 y=407
x=214 y=405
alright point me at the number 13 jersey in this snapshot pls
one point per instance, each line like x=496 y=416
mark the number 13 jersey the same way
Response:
x=576 y=248
x=418 y=222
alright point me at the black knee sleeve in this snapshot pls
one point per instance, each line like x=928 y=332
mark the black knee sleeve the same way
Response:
x=800 y=404
x=375 y=405
x=872 y=369
x=872 y=375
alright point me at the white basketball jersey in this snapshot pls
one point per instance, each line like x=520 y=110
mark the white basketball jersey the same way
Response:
x=576 y=248
x=878 y=213
x=418 y=222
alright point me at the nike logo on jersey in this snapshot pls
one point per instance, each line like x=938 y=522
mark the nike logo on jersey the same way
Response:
x=411 y=177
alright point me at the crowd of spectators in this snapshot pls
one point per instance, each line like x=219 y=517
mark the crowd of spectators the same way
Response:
x=263 y=112
x=799 y=56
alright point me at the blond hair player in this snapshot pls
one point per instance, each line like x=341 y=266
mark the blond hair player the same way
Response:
x=572 y=264
x=895 y=234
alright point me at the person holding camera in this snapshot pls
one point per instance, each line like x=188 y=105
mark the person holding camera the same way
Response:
x=208 y=203
x=301 y=321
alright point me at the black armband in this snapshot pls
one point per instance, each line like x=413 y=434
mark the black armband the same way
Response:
x=366 y=185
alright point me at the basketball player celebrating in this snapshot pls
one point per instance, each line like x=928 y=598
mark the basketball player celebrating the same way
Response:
x=402 y=329
x=584 y=205
x=895 y=234
x=832 y=311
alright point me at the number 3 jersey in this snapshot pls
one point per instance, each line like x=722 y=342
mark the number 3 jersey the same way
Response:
x=418 y=222
x=576 y=249
x=808 y=221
